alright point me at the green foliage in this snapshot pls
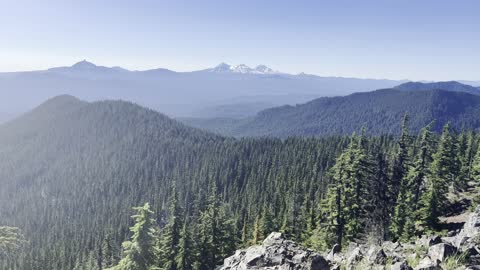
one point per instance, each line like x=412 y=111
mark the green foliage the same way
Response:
x=443 y=172
x=347 y=196
x=454 y=262
x=11 y=240
x=476 y=166
x=139 y=252
x=405 y=211
x=170 y=239
x=78 y=171
x=378 y=111
x=399 y=188
x=185 y=256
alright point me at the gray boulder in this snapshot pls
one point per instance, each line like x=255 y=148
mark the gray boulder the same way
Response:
x=472 y=254
x=441 y=251
x=276 y=253
x=376 y=255
x=470 y=231
x=434 y=240
x=428 y=264
x=354 y=257
x=400 y=266
x=334 y=256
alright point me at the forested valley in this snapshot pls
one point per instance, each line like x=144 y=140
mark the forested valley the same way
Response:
x=73 y=173
x=378 y=111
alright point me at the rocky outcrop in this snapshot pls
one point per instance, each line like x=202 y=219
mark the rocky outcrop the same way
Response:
x=428 y=264
x=276 y=253
x=441 y=251
x=426 y=253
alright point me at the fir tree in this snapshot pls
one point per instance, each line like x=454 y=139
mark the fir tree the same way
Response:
x=140 y=250
x=378 y=208
x=347 y=195
x=401 y=163
x=464 y=156
x=267 y=221
x=184 y=257
x=476 y=166
x=405 y=213
x=443 y=171
x=257 y=231
x=170 y=238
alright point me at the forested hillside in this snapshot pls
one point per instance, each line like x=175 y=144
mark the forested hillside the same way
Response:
x=378 y=111
x=449 y=86
x=71 y=172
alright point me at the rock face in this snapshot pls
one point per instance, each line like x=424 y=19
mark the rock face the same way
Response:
x=276 y=253
x=441 y=251
x=470 y=232
x=400 y=266
x=428 y=264
x=430 y=253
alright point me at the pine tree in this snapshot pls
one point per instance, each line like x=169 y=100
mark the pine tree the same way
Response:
x=443 y=171
x=405 y=213
x=378 y=208
x=107 y=253
x=244 y=237
x=476 y=166
x=356 y=189
x=347 y=195
x=226 y=240
x=267 y=221
x=170 y=238
x=184 y=257
x=400 y=214
x=210 y=232
x=140 y=250
x=420 y=169
x=416 y=182
x=401 y=163
x=464 y=156
x=257 y=231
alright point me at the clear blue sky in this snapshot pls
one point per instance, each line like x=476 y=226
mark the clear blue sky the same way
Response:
x=415 y=39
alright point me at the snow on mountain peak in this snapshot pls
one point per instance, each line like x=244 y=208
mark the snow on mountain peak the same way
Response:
x=222 y=67
x=242 y=68
x=264 y=69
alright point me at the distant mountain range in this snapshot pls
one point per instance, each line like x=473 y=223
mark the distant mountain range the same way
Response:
x=380 y=112
x=244 y=69
x=238 y=90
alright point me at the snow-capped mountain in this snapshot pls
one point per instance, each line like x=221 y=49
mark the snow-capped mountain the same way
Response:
x=222 y=91
x=244 y=69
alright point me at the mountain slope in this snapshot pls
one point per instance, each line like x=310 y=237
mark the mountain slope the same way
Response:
x=378 y=111
x=449 y=86
x=70 y=171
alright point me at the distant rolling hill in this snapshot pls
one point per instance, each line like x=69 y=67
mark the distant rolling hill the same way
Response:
x=379 y=112
x=450 y=86
x=234 y=89
x=71 y=171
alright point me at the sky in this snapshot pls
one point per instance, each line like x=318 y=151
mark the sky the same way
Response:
x=395 y=39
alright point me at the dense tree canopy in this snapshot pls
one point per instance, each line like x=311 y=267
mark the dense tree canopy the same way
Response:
x=72 y=171
x=378 y=111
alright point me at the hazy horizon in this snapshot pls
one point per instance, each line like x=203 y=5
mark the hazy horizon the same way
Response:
x=428 y=40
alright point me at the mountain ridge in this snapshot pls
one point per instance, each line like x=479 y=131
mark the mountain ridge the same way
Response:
x=178 y=94
x=378 y=111
x=448 y=85
x=71 y=171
